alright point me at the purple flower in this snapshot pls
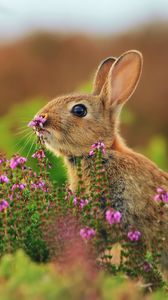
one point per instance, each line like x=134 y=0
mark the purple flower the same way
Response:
x=3 y=205
x=91 y=153
x=113 y=217
x=17 y=161
x=39 y=154
x=19 y=186
x=147 y=266
x=4 y=179
x=97 y=146
x=33 y=186
x=82 y=202
x=87 y=233
x=75 y=201
x=39 y=185
x=161 y=195
x=1 y=160
x=21 y=160
x=134 y=235
x=38 y=121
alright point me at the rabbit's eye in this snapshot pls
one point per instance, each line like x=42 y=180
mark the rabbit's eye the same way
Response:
x=79 y=110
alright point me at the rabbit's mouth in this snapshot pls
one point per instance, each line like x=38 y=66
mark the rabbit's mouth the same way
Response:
x=44 y=135
x=47 y=134
x=47 y=138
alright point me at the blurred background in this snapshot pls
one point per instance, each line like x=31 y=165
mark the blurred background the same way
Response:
x=48 y=48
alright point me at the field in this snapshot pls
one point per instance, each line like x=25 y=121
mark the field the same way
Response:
x=41 y=225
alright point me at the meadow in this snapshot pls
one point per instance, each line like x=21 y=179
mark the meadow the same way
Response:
x=53 y=243
x=57 y=245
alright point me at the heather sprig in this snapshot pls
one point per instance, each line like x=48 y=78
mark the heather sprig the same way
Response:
x=38 y=121
x=87 y=233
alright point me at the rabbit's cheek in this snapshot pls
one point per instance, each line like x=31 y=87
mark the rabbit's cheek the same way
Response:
x=50 y=142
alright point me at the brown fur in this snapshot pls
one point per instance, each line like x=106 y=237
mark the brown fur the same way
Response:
x=133 y=178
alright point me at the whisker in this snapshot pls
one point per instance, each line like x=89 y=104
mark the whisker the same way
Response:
x=25 y=144
x=23 y=137
x=23 y=126
x=22 y=131
x=27 y=141
x=30 y=148
x=25 y=121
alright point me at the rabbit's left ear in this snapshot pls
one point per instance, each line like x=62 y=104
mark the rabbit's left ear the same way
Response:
x=123 y=78
x=101 y=74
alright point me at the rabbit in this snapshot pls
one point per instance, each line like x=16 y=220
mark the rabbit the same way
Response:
x=74 y=122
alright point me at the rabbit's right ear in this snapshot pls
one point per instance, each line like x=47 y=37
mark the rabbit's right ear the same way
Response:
x=101 y=74
x=123 y=78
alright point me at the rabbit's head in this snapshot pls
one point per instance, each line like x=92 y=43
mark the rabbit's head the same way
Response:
x=74 y=122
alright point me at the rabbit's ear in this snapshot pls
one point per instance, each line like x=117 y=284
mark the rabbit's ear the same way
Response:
x=123 y=77
x=101 y=74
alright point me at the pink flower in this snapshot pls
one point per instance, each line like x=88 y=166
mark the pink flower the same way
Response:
x=91 y=153
x=4 y=179
x=113 y=217
x=134 y=235
x=87 y=233
x=19 y=186
x=39 y=154
x=3 y=205
x=82 y=202
x=97 y=146
x=1 y=160
x=75 y=201
x=17 y=161
x=38 y=121
x=161 y=195
x=39 y=185
x=21 y=160
x=33 y=186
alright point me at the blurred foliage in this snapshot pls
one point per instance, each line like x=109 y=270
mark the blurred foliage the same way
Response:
x=20 y=278
x=157 y=151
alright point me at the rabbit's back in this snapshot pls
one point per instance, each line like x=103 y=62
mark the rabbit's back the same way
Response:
x=133 y=181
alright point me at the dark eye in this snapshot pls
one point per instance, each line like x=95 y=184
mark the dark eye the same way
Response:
x=79 y=110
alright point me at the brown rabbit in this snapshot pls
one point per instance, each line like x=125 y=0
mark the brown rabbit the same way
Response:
x=75 y=122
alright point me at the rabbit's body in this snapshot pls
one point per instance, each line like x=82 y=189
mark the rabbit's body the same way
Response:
x=75 y=122
x=133 y=183
x=134 y=180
